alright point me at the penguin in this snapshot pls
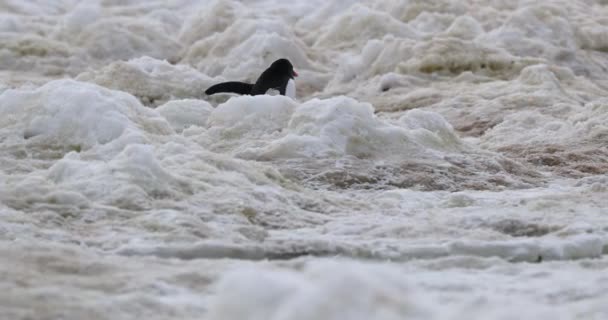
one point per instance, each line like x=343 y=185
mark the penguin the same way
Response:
x=279 y=76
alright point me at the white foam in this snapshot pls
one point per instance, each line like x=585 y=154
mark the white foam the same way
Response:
x=355 y=292
x=73 y=114
x=334 y=127
x=451 y=153
x=152 y=81
x=182 y=114
x=250 y=117
x=84 y=14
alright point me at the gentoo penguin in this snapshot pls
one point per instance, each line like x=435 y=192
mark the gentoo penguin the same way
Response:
x=279 y=76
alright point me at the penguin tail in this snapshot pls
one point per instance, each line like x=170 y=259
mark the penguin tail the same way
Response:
x=232 y=86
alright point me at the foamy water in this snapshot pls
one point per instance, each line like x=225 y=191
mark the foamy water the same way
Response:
x=442 y=160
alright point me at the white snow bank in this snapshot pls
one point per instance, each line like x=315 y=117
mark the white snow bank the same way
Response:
x=322 y=291
x=245 y=48
x=324 y=128
x=71 y=114
x=182 y=114
x=152 y=81
x=250 y=117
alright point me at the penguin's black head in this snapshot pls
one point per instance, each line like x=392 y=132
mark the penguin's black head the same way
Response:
x=283 y=66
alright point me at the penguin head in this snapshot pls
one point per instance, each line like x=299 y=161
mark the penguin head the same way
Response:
x=283 y=66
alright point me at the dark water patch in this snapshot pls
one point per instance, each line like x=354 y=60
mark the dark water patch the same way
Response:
x=453 y=174
x=574 y=161
x=477 y=128
x=517 y=228
x=522 y=250
x=408 y=100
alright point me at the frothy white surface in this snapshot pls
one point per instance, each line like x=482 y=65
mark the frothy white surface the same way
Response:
x=442 y=160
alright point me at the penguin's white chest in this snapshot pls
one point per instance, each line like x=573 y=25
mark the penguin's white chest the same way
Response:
x=290 y=91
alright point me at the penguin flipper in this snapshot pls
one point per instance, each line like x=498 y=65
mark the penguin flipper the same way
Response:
x=231 y=86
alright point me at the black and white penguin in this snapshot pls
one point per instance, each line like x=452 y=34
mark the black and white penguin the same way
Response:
x=279 y=76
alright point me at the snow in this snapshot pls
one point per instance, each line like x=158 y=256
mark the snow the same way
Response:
x=437 y=160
